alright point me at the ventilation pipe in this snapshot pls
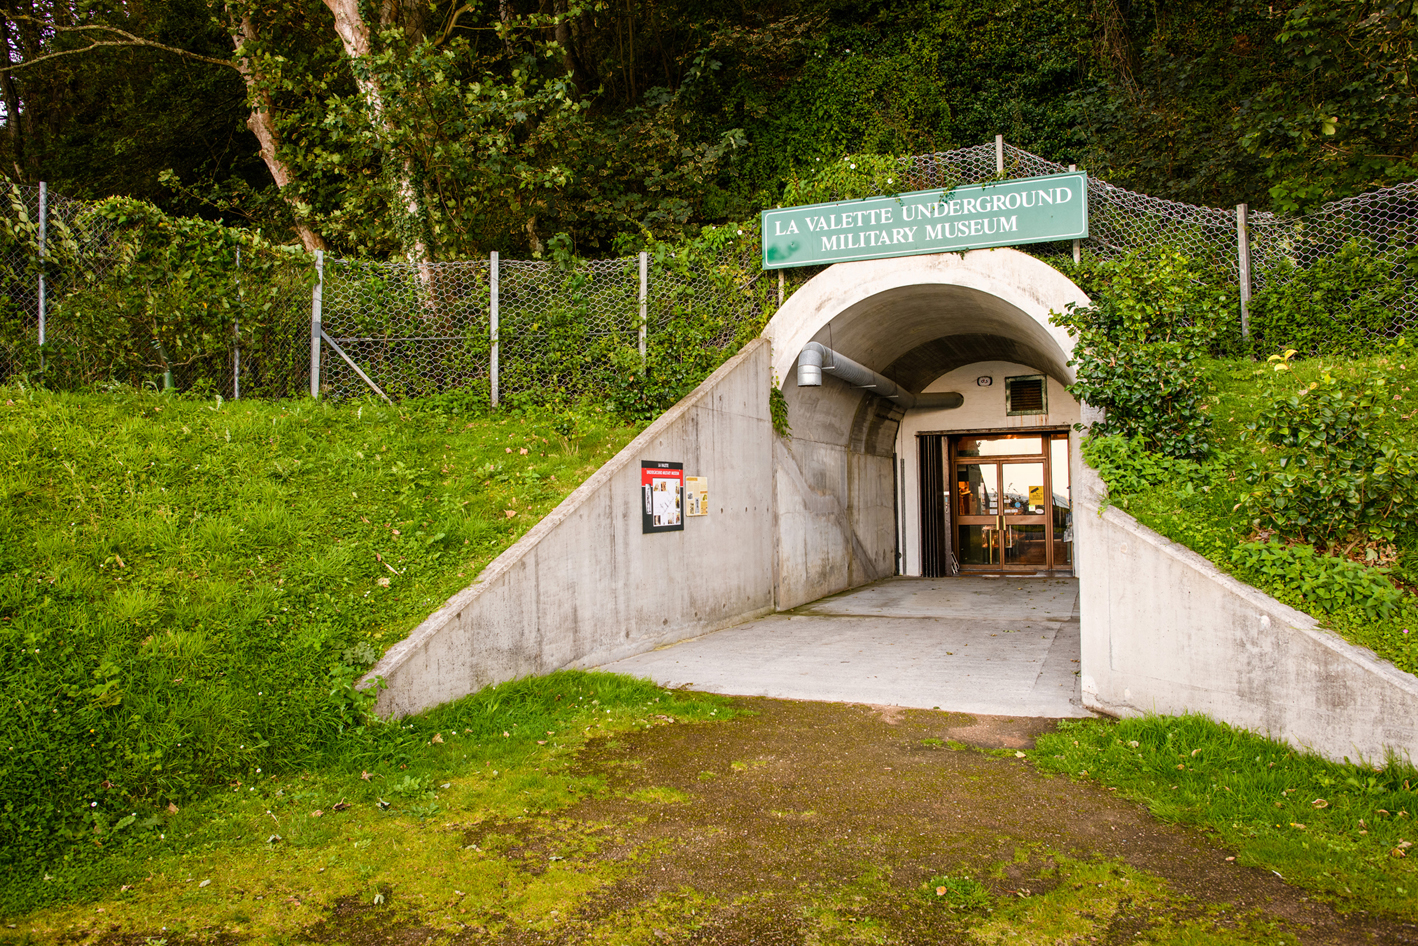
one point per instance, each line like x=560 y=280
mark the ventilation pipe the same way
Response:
x=816 y=358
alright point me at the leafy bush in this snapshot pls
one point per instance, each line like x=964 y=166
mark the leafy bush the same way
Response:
x=1139 y=346
x=1128 y=467
x=1339 y=305
x=1356 y=580
x=1329 y=468
x=1326 y=581
x=162 y=300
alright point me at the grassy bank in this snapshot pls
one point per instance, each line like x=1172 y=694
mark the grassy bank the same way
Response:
x=386 y=806
x=1343 y=831
x=189 y=588
x=1310 y=494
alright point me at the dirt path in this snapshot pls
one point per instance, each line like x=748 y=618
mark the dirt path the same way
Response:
x=819 y=822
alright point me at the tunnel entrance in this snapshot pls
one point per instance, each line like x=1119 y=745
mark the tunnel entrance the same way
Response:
x=932 y=427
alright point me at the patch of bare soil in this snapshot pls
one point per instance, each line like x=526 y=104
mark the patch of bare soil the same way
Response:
x=820 y=822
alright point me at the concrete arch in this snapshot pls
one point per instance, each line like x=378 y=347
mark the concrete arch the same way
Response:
x=880 y=310
x=841 y=482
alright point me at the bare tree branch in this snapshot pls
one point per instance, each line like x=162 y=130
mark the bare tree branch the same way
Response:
x=127 y=40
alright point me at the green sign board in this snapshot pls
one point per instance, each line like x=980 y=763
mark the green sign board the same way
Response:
x=1000 y=213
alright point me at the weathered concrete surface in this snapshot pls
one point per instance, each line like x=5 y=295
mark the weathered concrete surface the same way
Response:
x=973 y=645
x=1163 y=631
x=584 y=586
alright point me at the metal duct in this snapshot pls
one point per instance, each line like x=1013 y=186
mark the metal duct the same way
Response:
x=815 y=358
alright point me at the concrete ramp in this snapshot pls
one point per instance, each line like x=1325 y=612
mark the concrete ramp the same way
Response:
x=993 y=646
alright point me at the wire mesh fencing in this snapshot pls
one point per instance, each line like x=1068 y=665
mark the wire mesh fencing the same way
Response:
x=19 y=281
x=539 y=330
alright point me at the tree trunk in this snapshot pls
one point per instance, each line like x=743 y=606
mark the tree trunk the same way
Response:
x=13 y=121
x=263 y=126
x=353 y=31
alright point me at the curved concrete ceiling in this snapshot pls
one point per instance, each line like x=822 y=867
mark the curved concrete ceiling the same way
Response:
x=879 y=312
x=916 y=369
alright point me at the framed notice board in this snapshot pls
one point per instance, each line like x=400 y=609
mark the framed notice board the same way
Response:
x=661 y=496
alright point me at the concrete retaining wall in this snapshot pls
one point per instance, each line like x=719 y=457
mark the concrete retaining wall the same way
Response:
x=585 y=586
x=1165 y=632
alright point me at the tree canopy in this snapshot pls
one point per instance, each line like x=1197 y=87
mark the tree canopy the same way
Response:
x=445 y=129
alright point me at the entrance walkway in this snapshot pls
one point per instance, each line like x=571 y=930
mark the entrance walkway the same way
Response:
x=993 y=646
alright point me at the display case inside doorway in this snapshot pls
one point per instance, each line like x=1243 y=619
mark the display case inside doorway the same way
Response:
x=1001 y=503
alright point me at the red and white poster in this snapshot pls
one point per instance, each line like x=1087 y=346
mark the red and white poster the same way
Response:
x=661 y=496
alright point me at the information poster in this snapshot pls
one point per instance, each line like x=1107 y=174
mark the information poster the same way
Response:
x=662 y=496
x=696 y=495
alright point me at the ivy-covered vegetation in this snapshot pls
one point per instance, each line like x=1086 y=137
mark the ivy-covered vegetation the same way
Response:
x=448 y=129
x=189 y=588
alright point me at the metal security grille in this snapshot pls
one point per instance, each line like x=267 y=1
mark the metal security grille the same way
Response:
x=935 y=536
x=537 y=330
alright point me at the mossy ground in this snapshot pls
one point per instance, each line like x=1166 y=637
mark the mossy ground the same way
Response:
x=744 y=821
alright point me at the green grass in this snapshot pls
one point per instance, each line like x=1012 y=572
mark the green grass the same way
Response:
x=188 y=588
x=1340 y=830
x=1197 y=504
x=406 y=804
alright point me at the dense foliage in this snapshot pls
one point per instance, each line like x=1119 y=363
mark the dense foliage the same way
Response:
x=168 y=301
x=1298 y=475
x=1138 y=348
x=189 y=588
x=448 y=129
x=1337 y=304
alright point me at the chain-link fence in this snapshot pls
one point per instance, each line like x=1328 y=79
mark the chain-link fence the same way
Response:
x=544 y=330
x=95 y=296
x=19 y=280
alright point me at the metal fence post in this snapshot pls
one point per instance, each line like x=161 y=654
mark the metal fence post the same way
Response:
x=316 y=302
x=644 y=303
x=494 y=282
x=1243 y=252
x=1077 y=244
x=43 y=236
x=999 y=155
x=236 y=333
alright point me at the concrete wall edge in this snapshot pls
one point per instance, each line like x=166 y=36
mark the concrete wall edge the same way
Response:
x=1361 y=661
x=430 y=627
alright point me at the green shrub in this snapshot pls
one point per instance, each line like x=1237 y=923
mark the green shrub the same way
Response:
x=162 y=305
x=1128 y=467
x=1139 y=348
x=1329 y=467
x=1327 y=582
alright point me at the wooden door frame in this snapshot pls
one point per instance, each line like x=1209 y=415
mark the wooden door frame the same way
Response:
x=948 y=471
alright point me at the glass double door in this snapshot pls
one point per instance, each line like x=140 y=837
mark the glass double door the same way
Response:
x=1011 y=502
